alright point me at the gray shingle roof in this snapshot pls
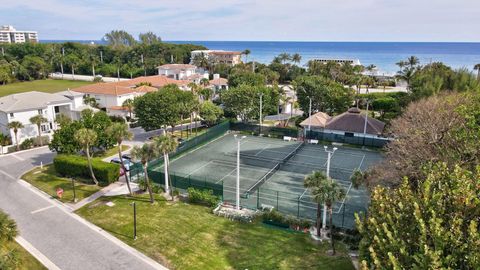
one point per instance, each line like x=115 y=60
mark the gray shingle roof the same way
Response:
x=30 y=101
x=354 y=121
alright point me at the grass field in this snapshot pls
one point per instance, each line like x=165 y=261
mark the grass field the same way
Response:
x=26 y=260
x=184 y=236
x=48 y=181
x=110 y=152
x=48 y=86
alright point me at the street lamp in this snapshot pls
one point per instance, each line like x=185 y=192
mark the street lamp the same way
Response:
x=330 y=153
x=309 y=113
x=134 y=220
x=238 y=170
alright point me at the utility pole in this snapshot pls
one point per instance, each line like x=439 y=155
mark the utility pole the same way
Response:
x=144 y=68
x=74 y=193
x=237 y=205
x=61 y=61
x=365 y=125
x=310 y=117
x=324 y=218
x=3 y=51
x=101 y=57
x=261 y=118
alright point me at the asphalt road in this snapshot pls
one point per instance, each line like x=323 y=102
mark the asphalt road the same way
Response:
x=64 y=238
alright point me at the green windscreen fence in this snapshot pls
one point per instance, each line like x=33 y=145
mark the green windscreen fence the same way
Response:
x=275 y=132
x=356 y=140
x=136 y=171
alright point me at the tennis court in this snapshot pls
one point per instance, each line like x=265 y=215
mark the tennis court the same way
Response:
x=272 y=173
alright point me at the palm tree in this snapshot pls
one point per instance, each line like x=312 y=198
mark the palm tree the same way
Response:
x=205 y=82
x=15 y=125
x=296 y=58
x=145 y=154
x=371 y=67
x=477 y=68
x=38 y=120
x=284 y=57
x=165 y=145
x=324 y=191
x=128 y=103
x=119 y=131
x=62 y=119
x=246 y=52
x=86 y=138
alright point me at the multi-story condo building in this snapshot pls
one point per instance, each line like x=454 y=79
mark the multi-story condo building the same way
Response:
x=8 y=34
x=230 y=58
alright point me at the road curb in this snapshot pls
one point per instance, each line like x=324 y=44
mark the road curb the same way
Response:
x=36 y=253
x=108 y=236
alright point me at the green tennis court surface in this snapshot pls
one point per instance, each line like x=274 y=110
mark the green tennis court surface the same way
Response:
x=272 y=173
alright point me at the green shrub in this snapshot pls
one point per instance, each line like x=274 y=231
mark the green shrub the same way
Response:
x=77 y=166
x=276 y=218
x=26 y=144
x=204 y=197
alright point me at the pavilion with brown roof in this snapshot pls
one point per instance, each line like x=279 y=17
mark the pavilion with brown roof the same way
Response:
x=350 y=122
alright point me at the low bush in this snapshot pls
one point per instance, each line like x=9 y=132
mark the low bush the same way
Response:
x=77 y=166
x=204 y=197
x=277 y=219
x=26 y=144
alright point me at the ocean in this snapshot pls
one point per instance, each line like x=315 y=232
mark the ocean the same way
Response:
x=384 y=55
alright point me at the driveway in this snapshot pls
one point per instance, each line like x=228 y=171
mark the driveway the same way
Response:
x=65 y=239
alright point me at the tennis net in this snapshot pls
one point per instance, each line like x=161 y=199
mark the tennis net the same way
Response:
x=262 y=180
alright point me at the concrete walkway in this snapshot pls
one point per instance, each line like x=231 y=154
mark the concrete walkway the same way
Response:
x=54 y=235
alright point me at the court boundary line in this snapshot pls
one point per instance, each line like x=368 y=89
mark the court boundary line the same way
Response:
x=204 y=165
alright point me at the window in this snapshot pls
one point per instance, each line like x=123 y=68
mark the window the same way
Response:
x=349 y=134
x=44 y=128
x=11 y=114
x=57 y=109
x=40 y=111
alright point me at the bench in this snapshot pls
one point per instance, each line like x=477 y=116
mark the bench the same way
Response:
x=313 y=141
x=287 y=138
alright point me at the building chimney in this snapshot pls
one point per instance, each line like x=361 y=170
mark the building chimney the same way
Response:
x=216 y=76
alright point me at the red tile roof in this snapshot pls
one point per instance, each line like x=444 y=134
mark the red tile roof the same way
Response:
x=219 y=81
x=129 y=86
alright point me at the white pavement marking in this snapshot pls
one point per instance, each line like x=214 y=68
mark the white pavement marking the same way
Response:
x=361 y=162
x=95 y=228
x=225 y=176
x=204 y=165
x=8 y=175
x=36 y=253
x=263 y=149
x=19 y=158
x=42 y=209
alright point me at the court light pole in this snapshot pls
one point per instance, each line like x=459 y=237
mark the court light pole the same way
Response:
x=324 y=219
x=237 y=195
x=309 y=112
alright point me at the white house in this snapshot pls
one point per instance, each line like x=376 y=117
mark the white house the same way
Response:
x=111 y=96
x=182 y=72
x=23 y=106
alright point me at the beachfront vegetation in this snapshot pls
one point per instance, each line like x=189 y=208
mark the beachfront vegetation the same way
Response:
x=186 y=236
x=12 y=255
x=123 y=56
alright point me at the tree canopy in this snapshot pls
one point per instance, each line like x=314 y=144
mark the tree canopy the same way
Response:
x=327 y=96
x=434 y=225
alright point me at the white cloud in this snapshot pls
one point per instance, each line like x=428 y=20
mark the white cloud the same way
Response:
x=382 y=20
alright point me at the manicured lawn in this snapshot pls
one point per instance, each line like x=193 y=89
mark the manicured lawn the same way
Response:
x=26 y=260
x=48 y=86
x=48 y=181
x=183 y=236
x=111 y=152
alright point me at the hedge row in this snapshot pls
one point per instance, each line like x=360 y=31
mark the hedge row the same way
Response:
x=77 y=166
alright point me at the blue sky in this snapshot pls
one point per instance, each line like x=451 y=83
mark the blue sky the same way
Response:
x=299 y=20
